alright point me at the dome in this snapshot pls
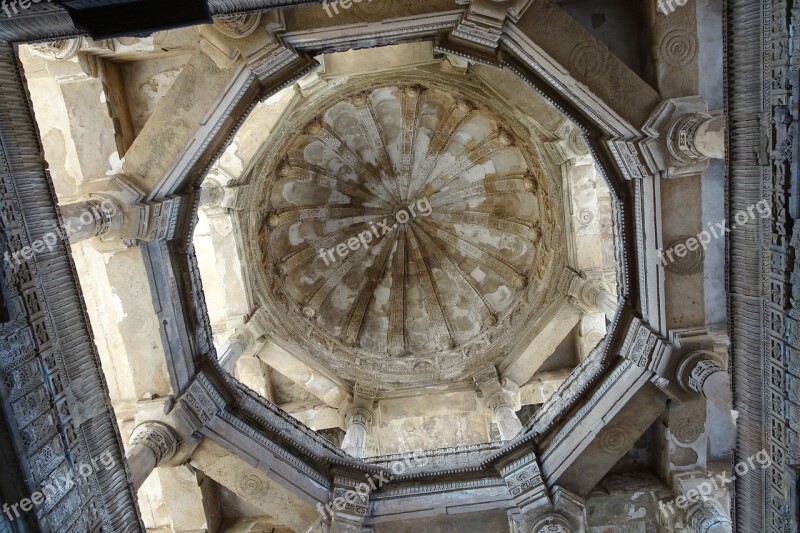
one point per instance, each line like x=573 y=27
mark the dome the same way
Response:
x=402 y=227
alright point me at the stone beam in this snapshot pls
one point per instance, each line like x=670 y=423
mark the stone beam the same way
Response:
x=560 y=319
x=622 y=408
x=306 y=377
x=541 y=386
x=253 y=486
x=174 y=121
x=586 y=59
x=500 y=401
x=614 y=440
x=317 y=418
x=180 y=499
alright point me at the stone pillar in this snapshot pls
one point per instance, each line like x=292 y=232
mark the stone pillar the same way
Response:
x=151 y=445
x=684 y=136
x=235 y=347
x=501 y=402
x=243 y=339
x=508 y=423
x=591 y=295
x=700 y=373
x=357 y=423
x=100 y=217
x=699 y=137
x=708 y=517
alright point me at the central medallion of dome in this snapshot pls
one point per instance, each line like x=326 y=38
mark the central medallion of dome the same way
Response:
x=407 y=233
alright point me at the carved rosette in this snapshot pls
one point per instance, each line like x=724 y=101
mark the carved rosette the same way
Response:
x=688 y=262
x=552 y=523
x=158 y=438
x=61 y=50
x=406 y=227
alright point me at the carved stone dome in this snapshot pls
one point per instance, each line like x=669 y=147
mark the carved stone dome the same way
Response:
x=403 y=232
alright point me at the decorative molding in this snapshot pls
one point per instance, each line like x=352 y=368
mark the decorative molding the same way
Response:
x=237 y=26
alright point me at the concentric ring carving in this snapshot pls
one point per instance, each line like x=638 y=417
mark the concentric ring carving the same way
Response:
x=391 y=299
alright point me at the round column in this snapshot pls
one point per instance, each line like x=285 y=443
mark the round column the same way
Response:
x=708 y=517
x=151 y=445
x=508 y=423
x=357 y=422
x=607 y=303
x=99 y=217
x=701 y=373
x=234 y=348
x=698 y=137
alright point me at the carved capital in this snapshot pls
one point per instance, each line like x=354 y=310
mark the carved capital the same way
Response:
x=358 y=417
x=696 y=370
x=158 y=437
x=707 y=517
x=683 y=136
x=101 y=216
x=61 y=50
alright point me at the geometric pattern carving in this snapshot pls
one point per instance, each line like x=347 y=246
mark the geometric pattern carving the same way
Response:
x=645 y=347
x=54 y=398
x=158 y=438
x=524 y=479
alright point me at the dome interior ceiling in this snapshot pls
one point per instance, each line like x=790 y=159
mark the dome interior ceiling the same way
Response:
x=403 y=231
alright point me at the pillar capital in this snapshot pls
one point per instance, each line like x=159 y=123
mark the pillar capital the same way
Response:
x=243 y=339
x=701 y=373
x=591 y=295
x=708 y=517
x=570 y=147
x=500 y=400
x=158 y=437
x=101 y=216
x=684 y=135
x=358 y=416
x=152 y=444
x=119 y=210
x=552 y=523
x=357 y=422
x=216 y=197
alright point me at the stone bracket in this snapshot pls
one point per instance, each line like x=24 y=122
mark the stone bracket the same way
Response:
x=647 y=349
